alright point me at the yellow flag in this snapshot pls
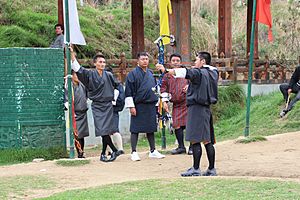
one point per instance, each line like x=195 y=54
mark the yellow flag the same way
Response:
x=164 y=10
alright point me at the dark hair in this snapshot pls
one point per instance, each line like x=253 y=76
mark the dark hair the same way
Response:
x=109 y=69
x=175 y=55
x=97 y=56
x=205 y=55
x=59 y=25
x=143 y=53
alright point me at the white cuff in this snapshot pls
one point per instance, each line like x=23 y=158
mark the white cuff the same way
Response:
x=180 y=73
x=75 y=65
x=129 y=102
x=116 y=94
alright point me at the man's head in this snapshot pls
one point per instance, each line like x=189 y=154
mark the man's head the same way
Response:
x=74 y=77
x=143 y=59
x=59 y=29
x=99 y=62
x=203 y=58
x=175 y=59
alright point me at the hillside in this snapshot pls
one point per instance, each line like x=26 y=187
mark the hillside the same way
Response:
x=29 y=23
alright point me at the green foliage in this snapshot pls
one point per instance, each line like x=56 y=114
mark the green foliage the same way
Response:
x=217 y=189
x=231 y=100
x=264 y=118
x=72 y=163
x=107 y=27
x=12 y=156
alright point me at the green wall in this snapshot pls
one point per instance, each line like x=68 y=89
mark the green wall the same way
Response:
x=31 y=97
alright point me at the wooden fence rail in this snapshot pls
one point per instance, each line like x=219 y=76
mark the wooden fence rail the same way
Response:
x=232 y=70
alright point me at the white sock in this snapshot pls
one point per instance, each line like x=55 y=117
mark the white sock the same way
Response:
x=117 y=140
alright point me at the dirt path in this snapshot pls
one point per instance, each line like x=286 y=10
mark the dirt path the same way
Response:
x=278 y=157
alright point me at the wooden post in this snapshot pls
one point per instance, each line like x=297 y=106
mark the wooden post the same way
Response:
x=224 y=28
x=60 y=12
x=180 y=27
x=122 y=67
x=137 y=27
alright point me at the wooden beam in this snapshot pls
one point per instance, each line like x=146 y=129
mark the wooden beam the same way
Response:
x=180 y=27
x=137 y=27
x=224 y=28
x=249 y=23
x=60 y=12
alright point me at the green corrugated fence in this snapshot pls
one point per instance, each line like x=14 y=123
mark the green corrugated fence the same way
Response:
x=31 y=98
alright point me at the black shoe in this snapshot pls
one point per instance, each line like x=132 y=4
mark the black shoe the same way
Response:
x=114 y=156
x=80 y=155
x=210 y=172
x=103 y=158
x=178 y=150
x=191 y=172
x=121 y=152
x=283 y=113
x=190 y=152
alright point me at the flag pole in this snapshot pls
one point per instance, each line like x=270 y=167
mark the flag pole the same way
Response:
x=246 y=132
x=69 y=79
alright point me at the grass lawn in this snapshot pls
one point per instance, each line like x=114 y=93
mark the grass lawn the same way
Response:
x=15 y=187
x=189 y=188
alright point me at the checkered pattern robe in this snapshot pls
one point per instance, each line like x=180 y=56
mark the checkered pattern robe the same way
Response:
x=175 y=86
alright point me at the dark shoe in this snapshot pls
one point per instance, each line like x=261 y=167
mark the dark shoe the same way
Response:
x=114 y=156
x=210 y=172
x=103 y=158
x=121 y=152
x=283 y=113
x=191 y=172
x=109 y=153
x=178 y=150
x=190 y=152
x=80 y=155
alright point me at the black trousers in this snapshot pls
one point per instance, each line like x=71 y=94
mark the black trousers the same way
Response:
x=284 y=90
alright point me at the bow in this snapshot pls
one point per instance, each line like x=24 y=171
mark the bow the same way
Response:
x=162 y=117
x=161 y=56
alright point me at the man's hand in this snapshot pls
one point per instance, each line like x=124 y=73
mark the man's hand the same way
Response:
x=73 y=54
x=289 y=91
x=160 y=67
x=185 y=88
x=166 y=107
x=133 y=111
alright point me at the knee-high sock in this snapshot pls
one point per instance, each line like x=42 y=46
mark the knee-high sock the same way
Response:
x=151 y=140
x=104 y=145
x=179 y=137
x=210 y=151
x=107 y=141
x=133 y=140
x=117 y=140
x=197 y=152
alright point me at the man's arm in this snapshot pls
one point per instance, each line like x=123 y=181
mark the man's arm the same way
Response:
x=129 y=90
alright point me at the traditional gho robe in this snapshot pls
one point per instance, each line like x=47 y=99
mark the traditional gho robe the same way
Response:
x=80 y=107
x=199 y=126
x=139 y=94
x=174 y=86
x=101 y=92
x=118 y=106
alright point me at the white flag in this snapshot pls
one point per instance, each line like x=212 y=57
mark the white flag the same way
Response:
x=76 y=36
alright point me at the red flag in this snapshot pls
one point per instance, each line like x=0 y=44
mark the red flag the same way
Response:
x=263 y=15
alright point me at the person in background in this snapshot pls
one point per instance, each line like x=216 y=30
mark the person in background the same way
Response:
x=58 y=42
